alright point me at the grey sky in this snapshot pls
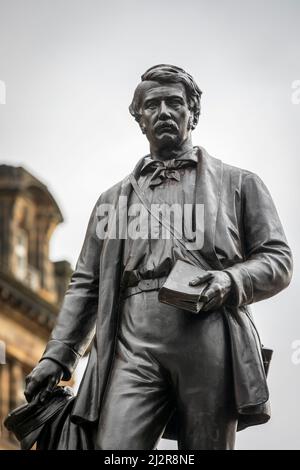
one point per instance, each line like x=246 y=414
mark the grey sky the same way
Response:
x=70 y=68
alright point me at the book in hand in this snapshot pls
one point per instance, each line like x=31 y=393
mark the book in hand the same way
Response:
x=176 y=290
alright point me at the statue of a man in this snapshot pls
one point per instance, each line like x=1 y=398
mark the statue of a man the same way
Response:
x=156 y=370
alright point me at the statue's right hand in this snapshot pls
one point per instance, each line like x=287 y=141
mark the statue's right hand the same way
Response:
x=42 y=379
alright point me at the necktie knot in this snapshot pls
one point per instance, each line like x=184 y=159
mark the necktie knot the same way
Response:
x=168 y=169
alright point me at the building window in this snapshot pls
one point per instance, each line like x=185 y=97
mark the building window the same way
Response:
x=21 y=254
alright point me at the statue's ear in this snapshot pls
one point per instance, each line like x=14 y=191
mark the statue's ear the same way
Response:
x=191 y=125
x=194 y=118
x=142 y=126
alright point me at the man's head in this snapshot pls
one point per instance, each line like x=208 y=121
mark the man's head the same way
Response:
x=166 y=104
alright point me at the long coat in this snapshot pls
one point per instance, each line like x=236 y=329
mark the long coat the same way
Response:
x=242 y=222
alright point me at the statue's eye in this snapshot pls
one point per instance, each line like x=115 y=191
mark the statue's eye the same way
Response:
x=175 y=103
x=150 y=105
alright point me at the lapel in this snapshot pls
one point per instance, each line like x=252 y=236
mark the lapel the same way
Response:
x=208 y=192
x=126 y=190
x=114 y=245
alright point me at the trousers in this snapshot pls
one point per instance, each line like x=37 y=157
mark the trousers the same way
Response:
x=167 y=359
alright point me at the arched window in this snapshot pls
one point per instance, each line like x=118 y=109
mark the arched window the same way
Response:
x=21 y=254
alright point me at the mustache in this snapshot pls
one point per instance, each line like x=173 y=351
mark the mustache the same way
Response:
x=163 y=124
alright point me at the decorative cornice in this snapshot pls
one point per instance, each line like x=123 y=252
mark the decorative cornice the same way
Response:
x=28 y=302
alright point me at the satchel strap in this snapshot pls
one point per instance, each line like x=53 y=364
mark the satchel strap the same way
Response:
x=177 y=238
x=162 y=221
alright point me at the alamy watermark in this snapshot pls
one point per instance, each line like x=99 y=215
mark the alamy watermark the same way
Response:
x=295 y=97
x=134 y=222
x=2 y=92
x=296 y=352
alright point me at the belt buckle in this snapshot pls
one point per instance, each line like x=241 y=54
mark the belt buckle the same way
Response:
x=148 y=284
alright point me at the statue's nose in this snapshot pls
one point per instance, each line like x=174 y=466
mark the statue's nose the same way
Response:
x=164 y=111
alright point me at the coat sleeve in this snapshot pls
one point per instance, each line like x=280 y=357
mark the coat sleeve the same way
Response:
x=75 y=325
x=268 y=264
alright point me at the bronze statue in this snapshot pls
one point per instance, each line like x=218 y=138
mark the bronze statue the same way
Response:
x=156 y=370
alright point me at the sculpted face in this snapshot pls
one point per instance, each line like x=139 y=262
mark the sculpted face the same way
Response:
x=165 y=115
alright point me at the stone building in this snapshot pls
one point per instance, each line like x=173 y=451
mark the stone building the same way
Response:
x=31 y=285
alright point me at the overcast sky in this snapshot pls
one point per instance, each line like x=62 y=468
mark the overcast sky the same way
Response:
x=70 y=68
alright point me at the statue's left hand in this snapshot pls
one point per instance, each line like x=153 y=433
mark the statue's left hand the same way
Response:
x=217 y=291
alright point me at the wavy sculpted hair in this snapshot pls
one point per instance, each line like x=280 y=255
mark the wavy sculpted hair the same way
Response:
x=162 y=74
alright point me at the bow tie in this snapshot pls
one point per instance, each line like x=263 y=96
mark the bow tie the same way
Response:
x=163 y=170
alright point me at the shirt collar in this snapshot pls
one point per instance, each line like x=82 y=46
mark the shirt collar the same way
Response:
x=186 y=156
